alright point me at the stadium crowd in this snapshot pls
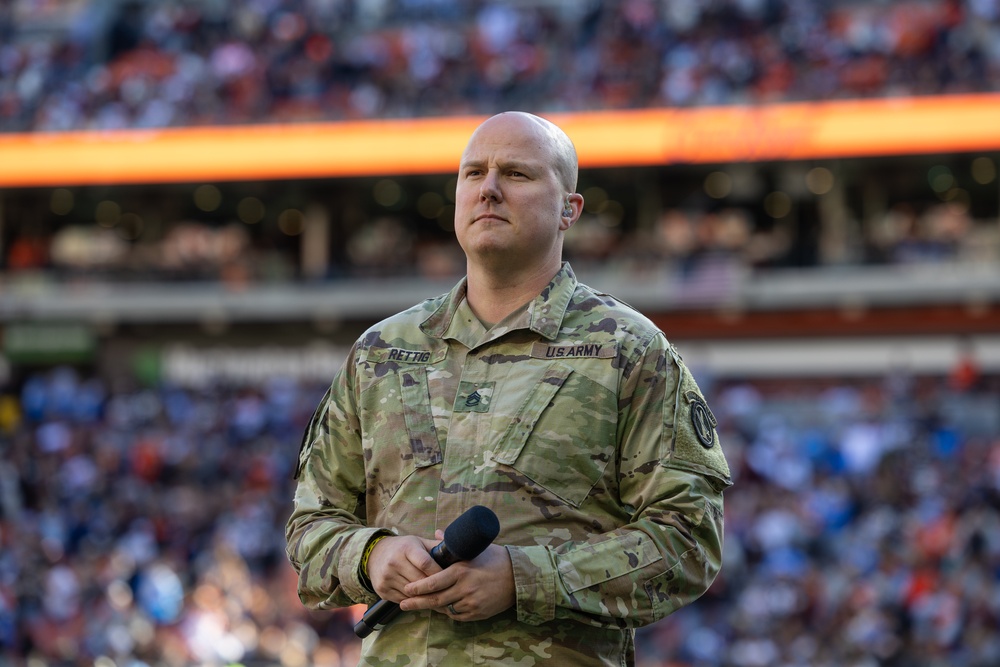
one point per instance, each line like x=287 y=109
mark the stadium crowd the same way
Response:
x=142 y=526
x=79 y=64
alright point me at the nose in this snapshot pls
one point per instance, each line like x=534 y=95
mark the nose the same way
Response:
x=490 y=189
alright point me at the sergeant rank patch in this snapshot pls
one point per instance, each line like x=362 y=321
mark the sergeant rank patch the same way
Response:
x=702 y=419
x=474 y=396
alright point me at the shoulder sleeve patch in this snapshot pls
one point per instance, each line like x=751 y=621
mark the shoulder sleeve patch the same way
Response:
x=702 y=419
x=313 y=431
x=696 y=444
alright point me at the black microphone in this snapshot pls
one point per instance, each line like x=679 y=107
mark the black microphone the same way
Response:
x=466 y=537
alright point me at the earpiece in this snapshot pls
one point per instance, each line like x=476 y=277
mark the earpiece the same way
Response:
x=567 y=210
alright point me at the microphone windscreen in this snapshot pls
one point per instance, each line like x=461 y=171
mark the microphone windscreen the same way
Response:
x=470 y=534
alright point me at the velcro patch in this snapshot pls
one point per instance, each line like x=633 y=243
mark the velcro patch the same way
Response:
x=693 y=429
x=583 y=350
x=474 y=396
x=402 y=356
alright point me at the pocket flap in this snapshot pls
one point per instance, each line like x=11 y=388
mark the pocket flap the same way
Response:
x=523 y=422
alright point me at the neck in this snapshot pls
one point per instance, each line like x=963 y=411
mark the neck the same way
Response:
x=493 y=296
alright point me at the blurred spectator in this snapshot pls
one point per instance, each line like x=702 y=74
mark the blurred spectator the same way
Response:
x=966 y=373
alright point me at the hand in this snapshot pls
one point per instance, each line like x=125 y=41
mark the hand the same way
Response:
x=477 y=589
x=397 y=561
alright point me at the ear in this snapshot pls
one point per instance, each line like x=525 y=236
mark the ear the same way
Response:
x=572 y=208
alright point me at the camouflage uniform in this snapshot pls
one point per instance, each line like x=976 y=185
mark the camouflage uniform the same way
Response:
x=573 y=419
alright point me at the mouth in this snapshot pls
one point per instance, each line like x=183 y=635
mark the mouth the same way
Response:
x=489 y=217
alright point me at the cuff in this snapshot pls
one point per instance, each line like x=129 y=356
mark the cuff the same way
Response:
x=349 y=565
x=534 y=582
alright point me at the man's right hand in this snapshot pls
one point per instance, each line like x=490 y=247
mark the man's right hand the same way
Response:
x=397 y=561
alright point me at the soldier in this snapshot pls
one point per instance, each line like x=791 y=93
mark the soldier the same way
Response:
x=557 y=406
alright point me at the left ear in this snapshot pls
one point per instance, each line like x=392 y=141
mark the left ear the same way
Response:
x=572 y=208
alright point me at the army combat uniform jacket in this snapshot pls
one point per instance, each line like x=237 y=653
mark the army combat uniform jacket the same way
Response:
x=574 y=420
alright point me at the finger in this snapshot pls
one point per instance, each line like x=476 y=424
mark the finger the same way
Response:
x=428 y=546
x=401 y=577
x=435 y=583
x=422 y=562
x=437 y=602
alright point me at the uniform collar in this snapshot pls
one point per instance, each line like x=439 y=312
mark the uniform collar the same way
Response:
x=544 y=313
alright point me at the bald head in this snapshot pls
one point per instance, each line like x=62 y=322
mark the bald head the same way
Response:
x=514 y=201
x=550 y=139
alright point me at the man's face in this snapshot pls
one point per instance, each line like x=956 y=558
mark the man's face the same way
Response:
x=509 y=200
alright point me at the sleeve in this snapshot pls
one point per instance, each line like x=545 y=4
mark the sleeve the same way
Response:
x=326 y=532
x=672 y=473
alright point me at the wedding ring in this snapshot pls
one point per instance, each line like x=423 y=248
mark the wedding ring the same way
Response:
x=451 y=608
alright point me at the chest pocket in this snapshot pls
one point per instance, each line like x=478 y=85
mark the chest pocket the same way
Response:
x=562 y=435
x=398 y=430
x=418 y=418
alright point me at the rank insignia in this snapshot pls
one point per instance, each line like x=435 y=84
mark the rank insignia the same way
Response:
x=474 y=396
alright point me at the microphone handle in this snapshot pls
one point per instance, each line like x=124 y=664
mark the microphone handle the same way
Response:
x=376 y=617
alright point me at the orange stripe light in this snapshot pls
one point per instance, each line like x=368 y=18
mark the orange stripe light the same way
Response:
x=810 y=130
